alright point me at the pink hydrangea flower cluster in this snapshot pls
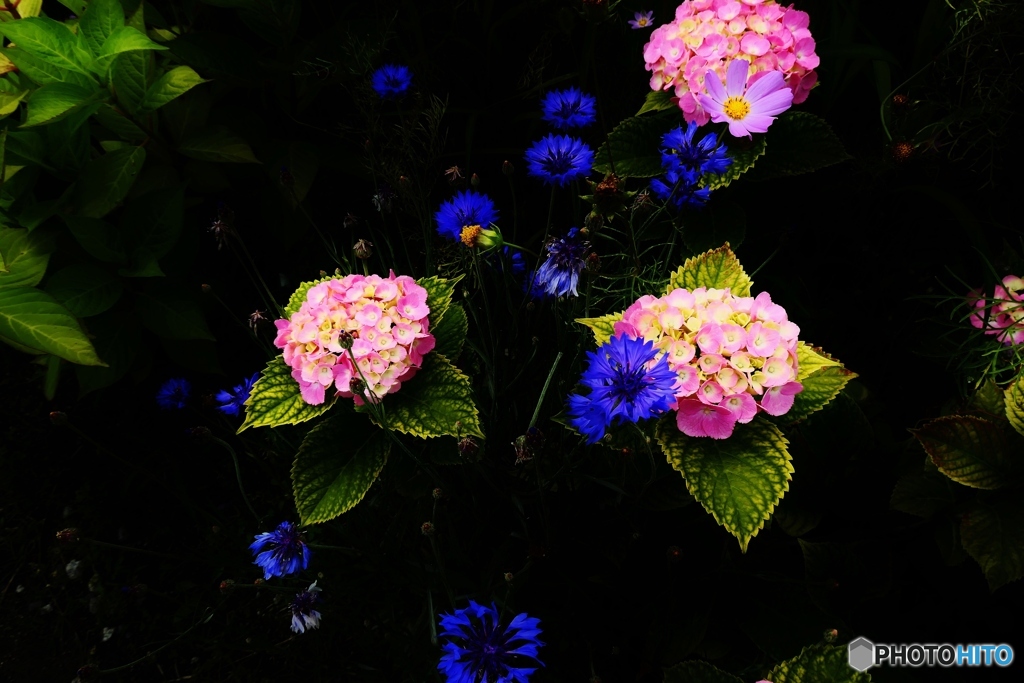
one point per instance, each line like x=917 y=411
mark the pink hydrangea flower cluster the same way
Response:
x=1005 y=313
x=710 y=34
x=733 y=355
x=383 y=321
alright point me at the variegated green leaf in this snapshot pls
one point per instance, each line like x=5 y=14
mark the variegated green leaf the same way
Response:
x=822 y=377
x=718 y=268
x=451 y=332
x=738 y=480
x=602 y=327
x=1014 y=399
x=742 y=161
x=817 y=664
x=275 y=400
x=439 y=295
x=970 y=450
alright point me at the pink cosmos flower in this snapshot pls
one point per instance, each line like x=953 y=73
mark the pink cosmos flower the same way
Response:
x=748 y=107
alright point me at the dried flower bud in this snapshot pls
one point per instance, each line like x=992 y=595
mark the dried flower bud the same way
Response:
x=468 y=447
x=206 y=289
x=258 y=582
x=900 y=101
x=593 y=222
x=437 y=493
x=226 y=585
x=593 y=263
x=474 y=180
x=362 y=249
x=831 y=635
x=58 y=418
x=507 y=168
x=902 y=152
x=427 y=529
x=508 y=577
x=350 y=220
x=69 y=535
x=357 y=386
x=453 y=174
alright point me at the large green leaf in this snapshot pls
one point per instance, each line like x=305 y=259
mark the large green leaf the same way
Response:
x=988 y=401
x=217 y=144
x=993 y=534
x=49 y=41
x=275 y=399
x=9 y=102
x=101 y=239
x=56 y=100
x=451 y=332
x=32 y=318
x=800 y=143
x=438 y=401
x=171 y=85
x=1013 y=399
x=24 y=256
x=970 y=450
x=743 y=159
x=41 y=71
x=130 y=74
x=658 y=100
x=923 y=493
x=738 y=480
x=169 y=315
x=718 y=268
x=822 y=377
x=695 y=671
x=100 y=20
x=25 y=148
x=84 y=289
x=336 y=464
x=439 y=295
x=631 y=150
x=602 y=327
x=818 y=664
x=115 y=120
x=153 y=221
x=105 y=181
x=125 y=39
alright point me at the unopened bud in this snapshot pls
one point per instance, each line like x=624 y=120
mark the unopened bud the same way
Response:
x=323 y=273
x=437 y=493
x=357 y=386
x=902 y=152
x=474 y=180
x=226 y=585
x=362 y=249
x=427 y=529
x=508 y=577
x=593 y=222
x=831 y=635
x=507 y=168
x=345 y=340
x=258 y=582
x=593 y=263
x=58 y=418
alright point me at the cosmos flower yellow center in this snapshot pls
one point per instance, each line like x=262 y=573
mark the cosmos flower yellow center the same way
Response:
x=469 y=235
x=736 y=108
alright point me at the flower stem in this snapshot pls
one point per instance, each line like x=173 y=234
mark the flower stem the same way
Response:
x=544 y=390
x=238 y=475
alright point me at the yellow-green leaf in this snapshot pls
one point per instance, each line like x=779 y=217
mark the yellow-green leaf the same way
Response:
x=738 y=480
x=439 y=295
x=970 y=450
x=988 y=400
x=818 y=664
x=33 y=320
x=275 y=399
x=811 y=359
x=1014 y=399
x=451 y=332
x=602 y=327
x=718 y=268
x=336 y=465
x=822 y=377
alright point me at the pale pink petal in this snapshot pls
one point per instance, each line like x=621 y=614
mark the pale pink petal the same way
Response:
x=716 y=90
x=735 y=78
x=743 y=406
x=698 y=419
x=778 y=400
x=768 y=82
x=737 y=129
x=773 y=104
x=713 y=108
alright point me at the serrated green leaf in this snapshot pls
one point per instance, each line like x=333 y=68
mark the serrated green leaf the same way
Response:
x=25 y=255
x=43 y=72
x=820 y=386
x=602 y=327
x=169 y=315
x=100 y=20
x=336 y=465
x=438 y=401
x=631 y=149
x=811 y=359
x=695 y=671
x=738 y=480
x=130 y=74
x=970 y=450
x=718 y=268
x=993 y=534
x=817 y=664
x=922 y=493
x=801 y=143
x=55 y=101
x=171 y=85
x=658 y=100
x=32 y=318
x=1013 y=399
x=988 y=400
x=49 y=41
x=275 y=400
x=84 y=289
x=743 y=160
x=451 y=332
x=439 y=295
x=106 y=181
x=217 y=144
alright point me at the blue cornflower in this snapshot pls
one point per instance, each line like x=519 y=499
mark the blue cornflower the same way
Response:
x=570 y=108
x=567 y=256
x=706 y=156
x=232 y=402
x=466 y=208
x=391 y=80
x=622 y=387
x=303 y=614
x=282 y=551
x=680 y=187
x=557 y=159
x=173 y=394
x=483 y=653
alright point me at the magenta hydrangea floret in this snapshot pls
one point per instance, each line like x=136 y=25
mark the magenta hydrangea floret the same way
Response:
x=360 y=336
x=1003 y=315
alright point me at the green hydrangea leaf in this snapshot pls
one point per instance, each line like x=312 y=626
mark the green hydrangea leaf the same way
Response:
x=1014 y=404
x=993 y=534
x=695 y=671
x=658 y=100
x=822 y=377
x=923 y=493
x=336 y=465
x=801 y=143
x=970 y=450
x=438 y=401
x=439 y=296
x=602 y=327
x=738 y=480
x=990 y=402
x=742 y=161
x=451 y=332
x=816 y=664
x=275 y=400
x=31 y=321
x=718 y=268
x=631 y=150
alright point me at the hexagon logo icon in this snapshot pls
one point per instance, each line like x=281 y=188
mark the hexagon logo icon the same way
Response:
x=861 y=653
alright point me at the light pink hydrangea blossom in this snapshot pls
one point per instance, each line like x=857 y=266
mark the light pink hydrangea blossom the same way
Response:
x=385 y=320
x=711 y=34
x=1005 y=314
x=733 y=356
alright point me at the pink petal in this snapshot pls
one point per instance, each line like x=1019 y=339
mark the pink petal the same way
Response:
x=697 y=419
x=773 y=104
x=743 y=406
x=737 y=129
x=756 y=123
x=778 y=400
x=765 y=85
x=735 y=78
x=715 y=88
x=713 y=109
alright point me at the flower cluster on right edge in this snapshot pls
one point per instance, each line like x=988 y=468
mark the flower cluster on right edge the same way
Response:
x=715 y=358
x=1003 y=315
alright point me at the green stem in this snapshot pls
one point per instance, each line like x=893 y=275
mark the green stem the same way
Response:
x=544 y=390
x=238 y=475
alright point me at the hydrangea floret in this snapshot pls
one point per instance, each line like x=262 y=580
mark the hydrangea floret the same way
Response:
x=708 y=35
x=368 y=328
x=1003 y=316
x=732 y=356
